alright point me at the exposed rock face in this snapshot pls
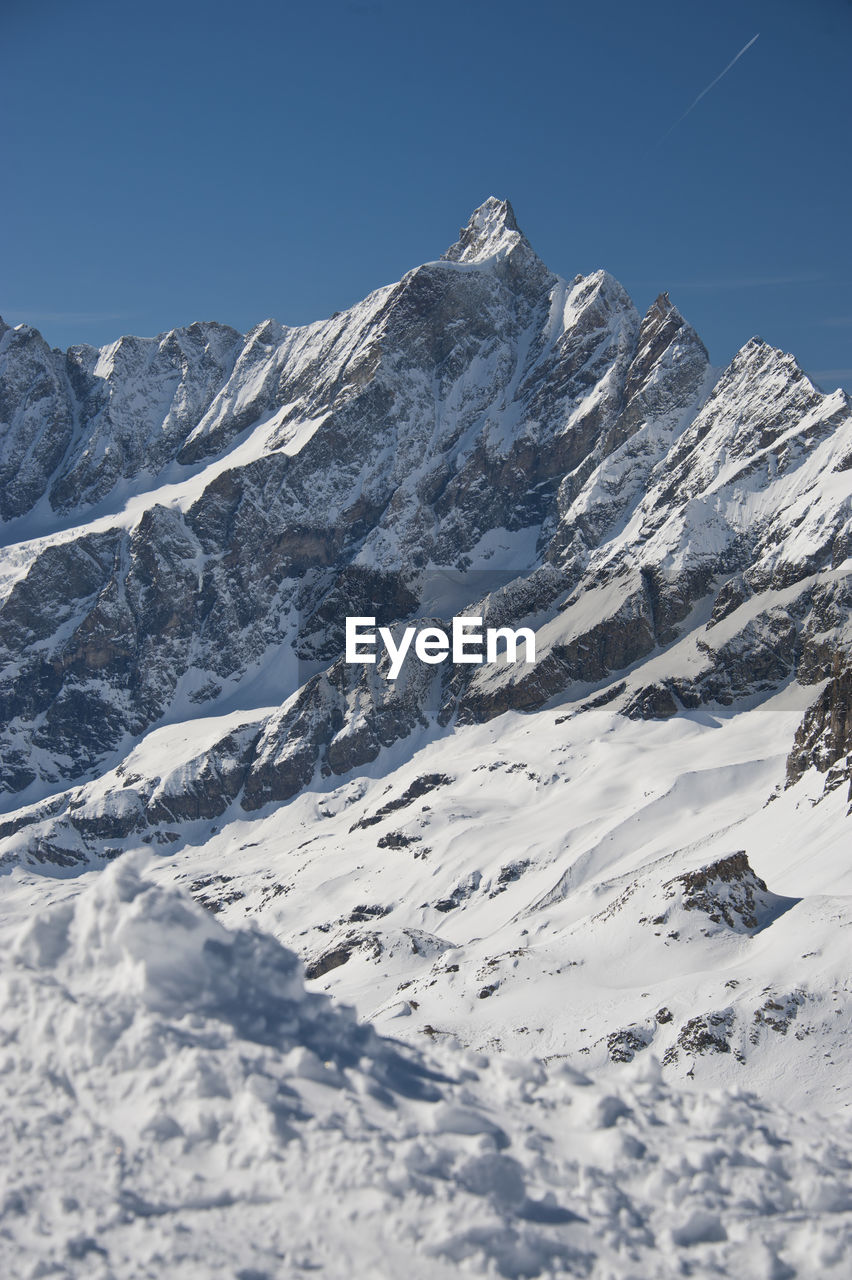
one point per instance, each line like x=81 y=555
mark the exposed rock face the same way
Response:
x=419 y=787
x=727 y=891
x=74 y=425
x=706 y=1033
x=824 y=738
x=723 y=897
x=623 y=1045
x=36 y=414
x=481 y=415
x=337 y=720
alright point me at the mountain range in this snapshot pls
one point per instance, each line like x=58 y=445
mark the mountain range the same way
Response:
x=638 y=843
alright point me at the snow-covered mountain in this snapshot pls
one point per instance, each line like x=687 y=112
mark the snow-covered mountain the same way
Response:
x=634 y=850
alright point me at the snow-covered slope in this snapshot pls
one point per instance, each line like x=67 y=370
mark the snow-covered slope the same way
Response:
x=541 y=884
x=175 y=1102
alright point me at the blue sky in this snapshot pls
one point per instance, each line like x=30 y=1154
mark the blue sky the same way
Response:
x=170 y=162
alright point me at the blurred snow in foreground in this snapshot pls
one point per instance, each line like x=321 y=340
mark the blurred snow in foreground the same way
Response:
x=175 y=1103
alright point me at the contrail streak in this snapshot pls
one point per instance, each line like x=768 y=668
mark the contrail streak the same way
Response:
x=710 y=86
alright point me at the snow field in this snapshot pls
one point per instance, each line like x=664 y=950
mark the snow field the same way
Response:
x=176 y=1103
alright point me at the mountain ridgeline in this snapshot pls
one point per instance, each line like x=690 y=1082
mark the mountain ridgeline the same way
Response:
x=188 y=519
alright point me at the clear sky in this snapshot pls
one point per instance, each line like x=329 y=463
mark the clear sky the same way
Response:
x=166 y=162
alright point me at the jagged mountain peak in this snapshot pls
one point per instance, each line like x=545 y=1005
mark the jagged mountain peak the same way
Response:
x=492 y=229
x=778 y=371
x=662 y=309
x=662 y=326
x=758 y=358
x=22 y=332
x=604 y=284
x=757 y=351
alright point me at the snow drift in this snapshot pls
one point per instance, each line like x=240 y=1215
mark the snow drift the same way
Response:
x=176 y=1103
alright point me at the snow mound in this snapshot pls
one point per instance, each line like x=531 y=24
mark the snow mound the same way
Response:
x=176 y=1103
